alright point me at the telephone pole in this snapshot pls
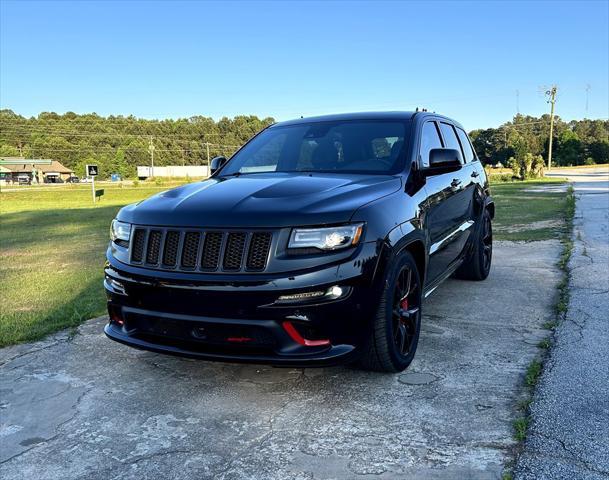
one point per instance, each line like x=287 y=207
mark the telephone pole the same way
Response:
x=552 y=100
x=151 y=150
x=588 y=87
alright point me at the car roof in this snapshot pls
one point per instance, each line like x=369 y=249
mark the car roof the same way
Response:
x=350 y=116
x=394 y=115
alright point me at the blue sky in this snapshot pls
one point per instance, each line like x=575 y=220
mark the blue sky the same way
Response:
x=177 y=59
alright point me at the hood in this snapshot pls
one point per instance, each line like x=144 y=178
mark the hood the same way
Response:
x=262 y=200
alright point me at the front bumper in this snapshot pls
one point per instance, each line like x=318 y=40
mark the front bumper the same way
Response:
x=237 y=318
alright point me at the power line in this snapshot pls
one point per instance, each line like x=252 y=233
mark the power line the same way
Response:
x=51 y=131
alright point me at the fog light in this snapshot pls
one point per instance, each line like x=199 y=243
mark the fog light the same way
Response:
x=335 y=291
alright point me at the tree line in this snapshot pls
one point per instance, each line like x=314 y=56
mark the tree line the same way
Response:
x=525 y=139
x=119 y=143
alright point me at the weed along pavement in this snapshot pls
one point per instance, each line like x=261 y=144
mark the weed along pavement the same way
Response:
x=76 y=405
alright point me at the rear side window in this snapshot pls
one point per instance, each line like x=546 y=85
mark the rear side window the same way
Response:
x=430 y=139
x=468 y=151
x=450 y=137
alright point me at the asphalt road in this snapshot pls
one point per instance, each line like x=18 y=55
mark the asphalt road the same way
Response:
x=569 y=433
x=81 y=406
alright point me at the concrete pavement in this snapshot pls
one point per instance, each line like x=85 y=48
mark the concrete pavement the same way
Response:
x=81 y=406
x=569 y=433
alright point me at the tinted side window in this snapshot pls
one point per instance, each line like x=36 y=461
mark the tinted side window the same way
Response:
x=468 y=151
x=450 y=137
x=429 y=139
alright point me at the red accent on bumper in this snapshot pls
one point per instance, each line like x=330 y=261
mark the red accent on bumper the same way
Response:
x=299 y=339
x=239 y=339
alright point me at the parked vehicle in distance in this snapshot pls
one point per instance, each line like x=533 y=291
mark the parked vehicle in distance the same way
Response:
x=315 y=244
x=24 y=179
x=73 y=179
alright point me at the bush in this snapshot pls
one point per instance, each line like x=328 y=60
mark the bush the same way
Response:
x=589 y=161
x=136 y=183
x=159 y=182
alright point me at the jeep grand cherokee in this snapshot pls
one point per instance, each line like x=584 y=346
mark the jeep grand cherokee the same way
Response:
x=315 y=244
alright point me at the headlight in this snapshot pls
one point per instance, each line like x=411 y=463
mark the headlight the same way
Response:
x=327 y=239
x=120 y=231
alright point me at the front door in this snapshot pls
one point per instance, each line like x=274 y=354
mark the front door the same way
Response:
x=447 y=210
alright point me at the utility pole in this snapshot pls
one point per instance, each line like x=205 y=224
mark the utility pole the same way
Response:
x=207 y=146
x=518 y=102
x=588 y=87
x=151 y=150
x=552 y=100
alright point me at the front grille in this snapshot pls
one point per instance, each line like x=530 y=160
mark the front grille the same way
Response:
x=199 y=250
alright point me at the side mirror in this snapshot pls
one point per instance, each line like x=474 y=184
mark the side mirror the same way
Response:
x=216 y=164
x=443 y=160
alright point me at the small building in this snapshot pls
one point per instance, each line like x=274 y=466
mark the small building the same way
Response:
x=193 y=171
x=13 y=171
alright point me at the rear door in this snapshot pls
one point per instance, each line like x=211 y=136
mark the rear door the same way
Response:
x=444 y=209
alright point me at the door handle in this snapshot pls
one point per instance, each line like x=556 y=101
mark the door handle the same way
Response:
x=475 y=174
x=455 y=183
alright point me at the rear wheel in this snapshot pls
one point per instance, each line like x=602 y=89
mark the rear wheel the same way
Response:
x=393 y=341
x=477 y=265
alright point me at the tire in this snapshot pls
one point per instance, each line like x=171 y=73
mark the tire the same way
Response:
x=477 y=264
x=393 y=340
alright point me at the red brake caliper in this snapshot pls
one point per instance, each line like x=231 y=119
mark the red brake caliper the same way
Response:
x=404 y=304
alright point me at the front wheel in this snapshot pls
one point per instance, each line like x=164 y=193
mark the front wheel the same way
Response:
x=477 y=265
x=395 y=335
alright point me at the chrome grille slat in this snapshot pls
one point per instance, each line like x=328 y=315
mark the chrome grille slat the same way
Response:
x=192 y=250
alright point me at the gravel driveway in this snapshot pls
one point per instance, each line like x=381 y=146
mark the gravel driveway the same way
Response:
x=81 y=406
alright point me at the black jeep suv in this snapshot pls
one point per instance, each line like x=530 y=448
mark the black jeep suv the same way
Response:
x=315 y=244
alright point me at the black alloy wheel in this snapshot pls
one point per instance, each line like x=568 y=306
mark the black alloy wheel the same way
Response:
x=406 y=314
x=487 y=243
x=394 y=335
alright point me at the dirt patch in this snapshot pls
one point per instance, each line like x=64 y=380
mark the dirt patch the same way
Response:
x=523 y=227
x=562 y=187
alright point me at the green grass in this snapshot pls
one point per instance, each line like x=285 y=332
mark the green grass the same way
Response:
x=520 y=428
x=533 y=372
x=523 y=215
x=52 y=246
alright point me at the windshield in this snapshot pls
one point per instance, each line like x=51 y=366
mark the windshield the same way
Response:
x=345 y=146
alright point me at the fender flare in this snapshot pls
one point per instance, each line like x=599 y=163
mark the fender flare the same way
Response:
x=404 y=236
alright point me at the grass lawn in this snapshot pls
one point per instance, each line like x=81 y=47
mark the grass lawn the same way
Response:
x=53 y=241
x=531 y=210
x=52 y=246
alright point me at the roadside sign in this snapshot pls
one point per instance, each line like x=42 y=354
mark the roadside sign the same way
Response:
x=93 y=171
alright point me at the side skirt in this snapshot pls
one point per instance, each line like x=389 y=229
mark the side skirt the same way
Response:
x=429 y=289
